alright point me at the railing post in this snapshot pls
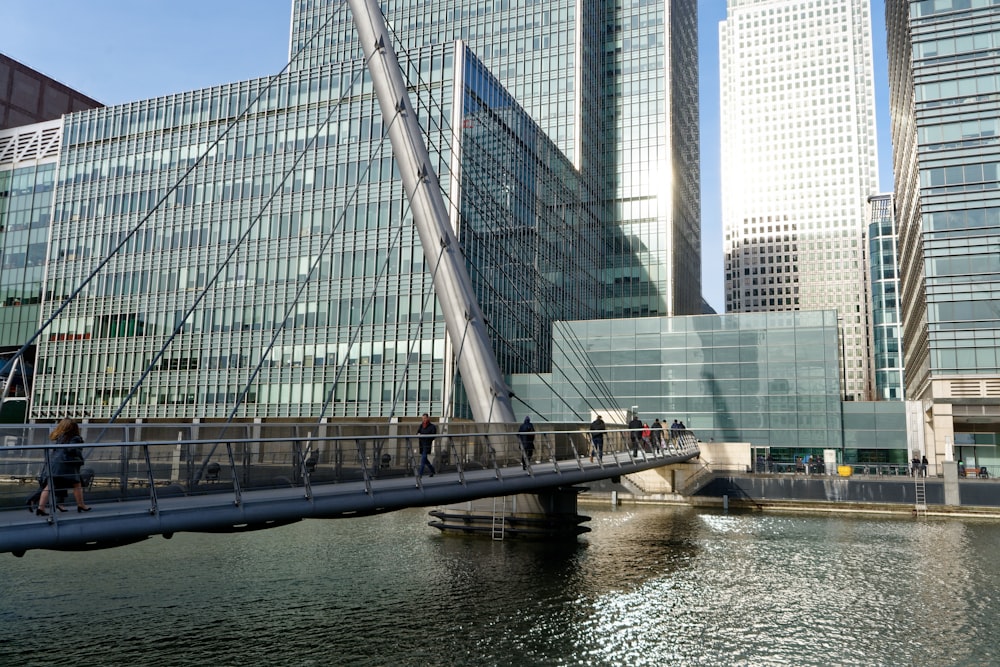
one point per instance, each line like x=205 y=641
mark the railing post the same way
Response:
x=153 y=506
x=51 y=486
x=453 y=454
x=359 y=444
x=306 y=475
x=237 y=492
x=491 y=455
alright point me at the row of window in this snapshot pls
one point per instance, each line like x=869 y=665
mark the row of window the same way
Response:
x=950 y=46
x=269 y=138
x=961 y=90
x=203 y=106
x=306 y=399
x=931 y=7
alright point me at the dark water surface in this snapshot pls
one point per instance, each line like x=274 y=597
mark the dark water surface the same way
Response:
x=649 y=586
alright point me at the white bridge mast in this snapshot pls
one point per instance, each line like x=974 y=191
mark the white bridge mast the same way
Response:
x=488 y=394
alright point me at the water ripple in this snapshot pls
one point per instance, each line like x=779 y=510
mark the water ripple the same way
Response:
x=649 y=586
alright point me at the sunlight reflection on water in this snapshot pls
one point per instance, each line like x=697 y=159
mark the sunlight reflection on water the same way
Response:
x=649 y=586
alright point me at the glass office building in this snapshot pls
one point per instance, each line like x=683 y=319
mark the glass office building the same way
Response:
x=247 y=251
x=31 y=106
x=799 y=162
x=886 y=329
x=945 y=102
x=28 y=159
x=614 y=86
x=255 y=255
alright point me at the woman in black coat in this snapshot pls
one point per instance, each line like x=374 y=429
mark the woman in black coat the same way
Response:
x=66 y=464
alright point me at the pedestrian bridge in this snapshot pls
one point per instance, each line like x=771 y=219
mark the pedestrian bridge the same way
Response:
x=156 y=479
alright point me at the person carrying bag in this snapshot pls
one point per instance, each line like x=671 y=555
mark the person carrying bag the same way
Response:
x=66 y=466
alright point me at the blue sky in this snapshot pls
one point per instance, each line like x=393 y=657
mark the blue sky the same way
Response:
x=123 y=50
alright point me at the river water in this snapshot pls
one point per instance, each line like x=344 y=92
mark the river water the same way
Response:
x=648 y=586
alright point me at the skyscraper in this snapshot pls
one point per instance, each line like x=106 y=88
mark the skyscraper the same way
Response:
x=615 y=87
x=945 y=103
x=799 y=162
x=252 y=243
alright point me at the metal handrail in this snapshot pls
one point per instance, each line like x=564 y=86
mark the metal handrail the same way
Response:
x=129 y=468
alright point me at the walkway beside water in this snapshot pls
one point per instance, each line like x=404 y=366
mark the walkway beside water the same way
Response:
x=873 y=494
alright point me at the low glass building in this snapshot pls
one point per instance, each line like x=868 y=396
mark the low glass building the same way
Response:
x=769 y=379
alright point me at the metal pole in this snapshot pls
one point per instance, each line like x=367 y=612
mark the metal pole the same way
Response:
x=842 y=331
x=489 y=396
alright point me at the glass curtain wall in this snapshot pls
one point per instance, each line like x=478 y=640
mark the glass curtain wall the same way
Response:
x=771 y=379
x=275 y=272
x=887 y=343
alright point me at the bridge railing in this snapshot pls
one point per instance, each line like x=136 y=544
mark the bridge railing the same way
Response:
x=157 y=460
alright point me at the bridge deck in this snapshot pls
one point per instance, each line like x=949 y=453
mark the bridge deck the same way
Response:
x=222 y=507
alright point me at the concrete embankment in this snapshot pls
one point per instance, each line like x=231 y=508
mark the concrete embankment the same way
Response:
x=814 y=493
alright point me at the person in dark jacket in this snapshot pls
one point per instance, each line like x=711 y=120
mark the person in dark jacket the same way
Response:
x=635 y=434
x=526 y=434
x=656 y=430
x=426 y=429
x=66 y=464
x=597 y=429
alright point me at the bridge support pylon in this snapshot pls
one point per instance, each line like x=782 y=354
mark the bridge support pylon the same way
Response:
x=548 y=515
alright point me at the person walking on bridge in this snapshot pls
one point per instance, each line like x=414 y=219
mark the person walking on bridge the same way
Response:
x=675 y=434
x=526 y=434
x=635 y=434
x=66 y=466
x=597 y=429
x=427 y=430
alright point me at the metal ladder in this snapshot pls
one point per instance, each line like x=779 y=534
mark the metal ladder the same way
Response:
x=920 y=495
x=499 y=522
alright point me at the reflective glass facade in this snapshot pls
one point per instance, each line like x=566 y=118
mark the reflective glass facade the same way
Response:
x=614 y=87
x=251 y=246
x=279 y=268
x=771 y=379
x=799 y=162
x=886 y=330
x=956 y=119
x=944 y=59
x=28 y=158
x=530 y=234
x=875 y=432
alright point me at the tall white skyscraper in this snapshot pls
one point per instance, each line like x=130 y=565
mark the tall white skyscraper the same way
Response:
x=799 y=162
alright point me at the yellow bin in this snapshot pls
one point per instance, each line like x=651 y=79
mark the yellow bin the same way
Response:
x=844 y=471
